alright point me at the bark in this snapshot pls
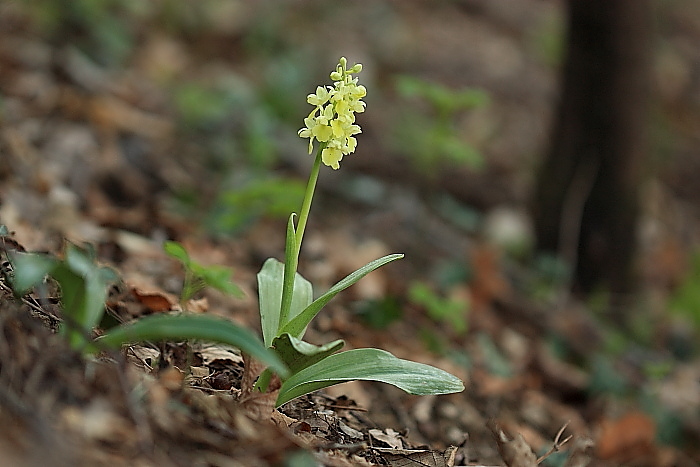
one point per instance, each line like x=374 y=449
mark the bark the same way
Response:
x=586 y=203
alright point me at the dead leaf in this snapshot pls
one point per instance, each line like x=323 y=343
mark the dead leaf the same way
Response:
x=488 y=282
x=580 y=453
x=418 y=457
x=390 y=437
x=515 y=452
x=155 y=301
x=97 y=422
x=627 y=438
x=197 y=305
x=351 y=432
x=258 y=405
x=171 y=378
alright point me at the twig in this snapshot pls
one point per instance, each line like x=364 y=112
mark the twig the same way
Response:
x=345 y=407
x=31 y=304
x=557 y=444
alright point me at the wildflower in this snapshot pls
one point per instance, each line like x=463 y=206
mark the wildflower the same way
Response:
x=332 y=122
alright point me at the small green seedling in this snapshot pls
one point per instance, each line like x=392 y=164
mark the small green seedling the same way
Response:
x=83 y=286
x=286 y=298
x=198 y=277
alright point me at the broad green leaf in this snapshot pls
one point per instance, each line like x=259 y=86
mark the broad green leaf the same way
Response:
x=298 y=323
x=29 y=270
x=369 y=365
x=297 y=354
x=177 y=251
x=202 y=327
x=270 y=280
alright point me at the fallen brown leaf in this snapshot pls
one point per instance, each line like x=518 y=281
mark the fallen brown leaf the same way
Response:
x=514 y=451
x=155 y=301
x=627 y=438
x=418 y=457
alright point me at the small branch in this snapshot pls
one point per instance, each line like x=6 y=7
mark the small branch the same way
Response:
x=31 y=304
x=557 y=444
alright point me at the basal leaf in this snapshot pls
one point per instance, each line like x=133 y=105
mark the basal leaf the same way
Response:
x=297 y=354
x=369 y=365
x=202 y=327
x=298 y=323
x=270 y=281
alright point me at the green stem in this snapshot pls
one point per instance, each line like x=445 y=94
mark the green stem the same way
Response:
x=292 y=257
x=306 y=204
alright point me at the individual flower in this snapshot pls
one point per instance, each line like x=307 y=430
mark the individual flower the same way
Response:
x=332 y=121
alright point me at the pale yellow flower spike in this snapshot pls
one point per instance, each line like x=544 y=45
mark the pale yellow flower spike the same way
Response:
x=332 y=122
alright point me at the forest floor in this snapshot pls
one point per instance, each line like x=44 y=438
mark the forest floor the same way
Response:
x=124 y=131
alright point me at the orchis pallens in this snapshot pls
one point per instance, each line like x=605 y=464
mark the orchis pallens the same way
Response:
x=332 y=122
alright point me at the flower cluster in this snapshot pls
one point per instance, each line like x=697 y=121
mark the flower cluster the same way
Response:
x=332 y=122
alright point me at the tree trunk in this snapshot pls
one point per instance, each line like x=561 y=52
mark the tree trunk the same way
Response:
x=586 y=202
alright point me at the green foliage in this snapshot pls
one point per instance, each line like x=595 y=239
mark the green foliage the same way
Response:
x=197 y=276
x=495 y=362
x=286 y=306
x=102 y=29
x=201 y=107
x=233 y=122
x=556 y=459
x=237 y=124
x=270 y=298
x=434 y=341
x=605 y=379
x=369 y=365
x=669 y=424
x=685 y=300
x=550 y=274
x=299 y=458
x=315 y=367
x=298 y=354
x=431 y=139
x=303 y=309
x=445 y=101
x=263 y=197
x=298 y=323
x=83 y=286
x=162 y=327
x=442 y=310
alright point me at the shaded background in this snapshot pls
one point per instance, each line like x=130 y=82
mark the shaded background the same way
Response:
x=178 y=119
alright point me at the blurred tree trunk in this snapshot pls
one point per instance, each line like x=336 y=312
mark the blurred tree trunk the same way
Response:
x=586 y=202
